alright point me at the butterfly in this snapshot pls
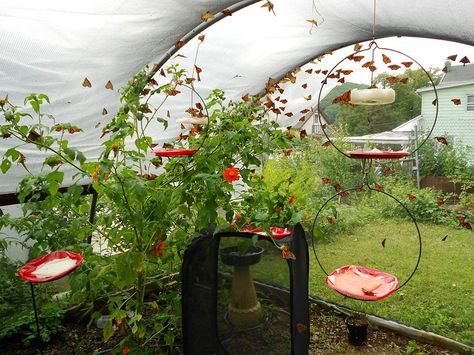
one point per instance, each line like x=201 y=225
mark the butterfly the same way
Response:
x=461 y=219
x=357 y=47
x=287 y=254
x=326 y=144
x=394 y=66
x=383 y=243
x=343 y=193
x=109 y=85
x=386 y=59
x=453 y=57
x=104 y=111
x=407 y=64
x=287 y=152
x=378 y=188
x=303 y=134
x=86 y=83
x=341 y=80
x=411 y=197
x=392 y=79
x=304 y=86
x=464 y=60
x=300 y=327
x=444 y=238
x=206 y=16
x=201 y=37
x=344 y=98
x=337 y=186
x=466 y=225
x=456 y=101
x=434 y=102
x=330 y=219
x=289 y=114
x=442 y=140
x=388 y=170
x=404 y=80
x=440 y=202
x=326 y=180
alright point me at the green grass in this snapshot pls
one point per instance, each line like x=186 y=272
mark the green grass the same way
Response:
x=439 y=297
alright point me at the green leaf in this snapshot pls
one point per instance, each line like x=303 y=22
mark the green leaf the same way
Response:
x=108 y=330
x=13 y=153
x=6 y=164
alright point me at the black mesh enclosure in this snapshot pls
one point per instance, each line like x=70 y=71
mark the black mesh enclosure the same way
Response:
x=240 y=298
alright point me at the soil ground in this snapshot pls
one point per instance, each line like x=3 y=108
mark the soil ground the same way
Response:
x=328 y=336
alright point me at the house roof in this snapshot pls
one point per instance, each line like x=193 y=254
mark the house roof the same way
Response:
x=457 y=75
x=399 y=135
x=308 y=115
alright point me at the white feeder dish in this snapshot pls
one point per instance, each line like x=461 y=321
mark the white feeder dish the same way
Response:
x=192 y=120
x=374 y=96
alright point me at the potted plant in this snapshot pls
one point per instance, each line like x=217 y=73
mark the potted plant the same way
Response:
x=357 y=326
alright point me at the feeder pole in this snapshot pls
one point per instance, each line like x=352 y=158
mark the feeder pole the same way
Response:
x=36 y=311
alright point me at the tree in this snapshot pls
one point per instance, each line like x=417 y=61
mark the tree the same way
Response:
x=360 y=120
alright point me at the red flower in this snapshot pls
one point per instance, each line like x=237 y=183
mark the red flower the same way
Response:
x=337 y=186
x=158 y=250
x=343 y=193
x=125 y=351
x=231 y=174
x=292 y=199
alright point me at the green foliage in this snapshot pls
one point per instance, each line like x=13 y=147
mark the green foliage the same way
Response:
x=16 y=309
x=446 y=160
x=142 y=214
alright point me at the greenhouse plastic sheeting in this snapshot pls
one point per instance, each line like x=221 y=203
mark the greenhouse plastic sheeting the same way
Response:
x=50 y=47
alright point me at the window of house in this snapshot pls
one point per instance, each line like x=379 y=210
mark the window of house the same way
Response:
x=470 y=102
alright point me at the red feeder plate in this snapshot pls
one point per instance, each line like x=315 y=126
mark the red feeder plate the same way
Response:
x=362 y=283
x=376 y=155
x=174 y=152
x=29 y=271
x=278 y=232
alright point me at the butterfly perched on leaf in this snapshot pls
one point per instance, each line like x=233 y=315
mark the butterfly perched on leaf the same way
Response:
x=326 y=144
x=330 y=219
x=442 y=140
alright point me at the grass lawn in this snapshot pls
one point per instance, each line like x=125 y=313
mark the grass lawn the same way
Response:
x=439 y=297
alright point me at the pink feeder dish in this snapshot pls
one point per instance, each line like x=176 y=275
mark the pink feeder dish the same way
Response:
x=51 y=266
x=362 y=283
x=174 y=152
x=377 y=154
x=278 y=232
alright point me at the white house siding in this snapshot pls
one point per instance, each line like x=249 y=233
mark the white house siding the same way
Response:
x=454 y=121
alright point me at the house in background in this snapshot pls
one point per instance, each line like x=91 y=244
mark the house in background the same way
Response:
x=310 y=122
x=455 y=121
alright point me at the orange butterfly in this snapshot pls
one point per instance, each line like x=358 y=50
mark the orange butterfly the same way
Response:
x=344 y=98
x=326 y=180
x=109 y=85
x=442 y=140
x=386 y=59
x=326 y=144
x=453 y=57
x=407 y=64
x=440 y=202
x=86 y=83
x=394 y=66
x=456 y=101
x=465 y=60
x=379 y=188
x=330 y=219
x=411 y=197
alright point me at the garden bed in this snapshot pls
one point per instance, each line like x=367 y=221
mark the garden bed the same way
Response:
x=328 y=336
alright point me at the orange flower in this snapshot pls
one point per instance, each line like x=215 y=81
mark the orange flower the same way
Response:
x=292 y=199
x=158 y=250
x=125 y=351
x=231 y=174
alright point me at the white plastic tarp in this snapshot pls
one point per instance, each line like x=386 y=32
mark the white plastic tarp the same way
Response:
x=50 y=47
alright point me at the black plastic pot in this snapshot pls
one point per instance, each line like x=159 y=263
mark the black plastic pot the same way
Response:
x=231 y=256
x=357 y=331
